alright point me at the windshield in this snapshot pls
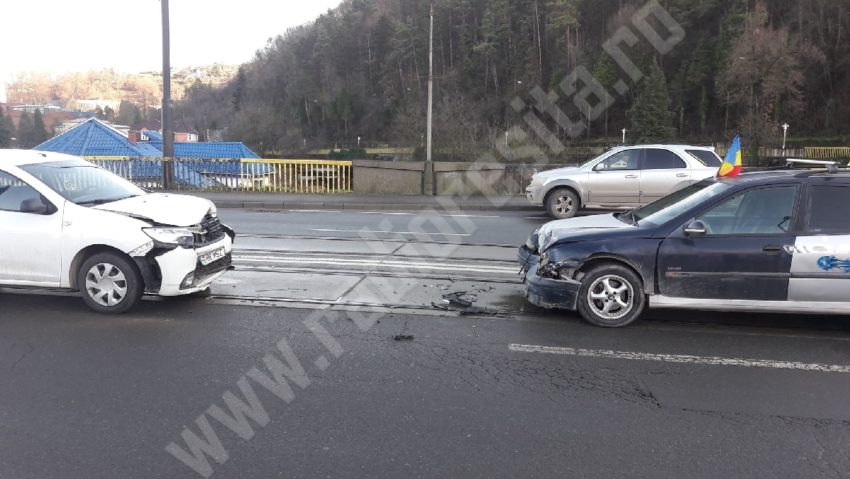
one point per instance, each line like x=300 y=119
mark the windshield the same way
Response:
x=673 y=205
x=83 y=183
x=595 y=158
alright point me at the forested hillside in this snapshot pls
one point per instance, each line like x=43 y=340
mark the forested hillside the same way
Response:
x=362 y=69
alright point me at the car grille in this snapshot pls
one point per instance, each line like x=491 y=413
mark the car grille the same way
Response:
x=213 y=231
x=203 y=272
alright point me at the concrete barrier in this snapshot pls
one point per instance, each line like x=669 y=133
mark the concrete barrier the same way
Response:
x=469 y=179
x=375 y=177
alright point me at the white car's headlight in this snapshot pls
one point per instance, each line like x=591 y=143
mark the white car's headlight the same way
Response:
x=172 y=236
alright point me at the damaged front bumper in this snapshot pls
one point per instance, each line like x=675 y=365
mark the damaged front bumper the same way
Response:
x=550 y=293
x=177 y=271
x=183 y=272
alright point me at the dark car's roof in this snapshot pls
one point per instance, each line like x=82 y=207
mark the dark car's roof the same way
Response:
x=770 y=176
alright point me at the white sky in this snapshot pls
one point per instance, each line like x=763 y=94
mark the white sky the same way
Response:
x=58 y=36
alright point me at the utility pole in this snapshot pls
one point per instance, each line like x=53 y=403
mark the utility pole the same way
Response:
x=429 y=160
x=167 y=126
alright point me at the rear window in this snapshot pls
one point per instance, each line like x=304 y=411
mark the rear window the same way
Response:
x=706 y=157
x=828 y=209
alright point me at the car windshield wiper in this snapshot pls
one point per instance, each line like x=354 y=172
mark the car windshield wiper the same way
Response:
x=103 y=201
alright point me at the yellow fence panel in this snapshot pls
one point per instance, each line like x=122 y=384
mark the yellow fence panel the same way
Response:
x=283 y=176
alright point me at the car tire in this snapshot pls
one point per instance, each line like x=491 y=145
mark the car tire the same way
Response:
x=110 y=283
x=562 y=203
x=611 y=296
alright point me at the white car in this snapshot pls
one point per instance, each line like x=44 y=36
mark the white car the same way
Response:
x=66 y=223
x=623 y=177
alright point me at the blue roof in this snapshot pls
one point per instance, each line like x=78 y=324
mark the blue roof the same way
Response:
x=233 y=150
x=208 y=150
x=153 y=135
x=95 y=138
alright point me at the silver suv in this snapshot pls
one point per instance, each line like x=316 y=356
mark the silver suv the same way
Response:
x=624 y=177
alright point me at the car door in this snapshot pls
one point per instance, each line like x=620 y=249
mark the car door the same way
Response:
x=662 y=172
x=741 y=254
x=615 y=181
x=820 y=270
x=30 y=243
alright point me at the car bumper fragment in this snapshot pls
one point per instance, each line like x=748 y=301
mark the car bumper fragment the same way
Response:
x=550 y=293
x=526 y=258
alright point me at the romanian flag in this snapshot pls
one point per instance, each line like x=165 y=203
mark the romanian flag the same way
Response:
x=732 y=164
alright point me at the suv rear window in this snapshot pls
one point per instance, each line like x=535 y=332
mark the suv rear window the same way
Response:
x=707 y=158
x=827 y=209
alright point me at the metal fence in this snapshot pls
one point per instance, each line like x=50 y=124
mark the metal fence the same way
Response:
x=827 y=153
x=260 y=175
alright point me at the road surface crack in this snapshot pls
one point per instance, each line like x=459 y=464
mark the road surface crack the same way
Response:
x=29 y=351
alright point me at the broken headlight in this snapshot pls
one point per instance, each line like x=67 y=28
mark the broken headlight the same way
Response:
x=172 y=236
x=561 y=270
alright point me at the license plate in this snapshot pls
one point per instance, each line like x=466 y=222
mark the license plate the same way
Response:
x=212 y=256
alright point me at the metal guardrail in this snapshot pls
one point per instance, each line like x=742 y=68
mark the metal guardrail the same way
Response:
x=253 y=175
x=827 y=153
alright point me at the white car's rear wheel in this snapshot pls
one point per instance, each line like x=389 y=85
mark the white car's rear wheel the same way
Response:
x=110 y=283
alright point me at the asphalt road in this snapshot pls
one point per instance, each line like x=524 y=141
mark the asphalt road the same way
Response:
x=509 y=228
x=394 y=385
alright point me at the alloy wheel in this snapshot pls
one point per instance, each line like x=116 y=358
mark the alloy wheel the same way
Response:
x=564 y=205
x=611 y=297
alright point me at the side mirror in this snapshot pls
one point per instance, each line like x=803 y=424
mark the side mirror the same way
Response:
x=35 y=206
x=696 y=228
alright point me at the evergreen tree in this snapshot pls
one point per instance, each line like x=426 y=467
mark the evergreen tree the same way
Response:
x=128 y=114
x=24 y=134
x=6 y=130
x=650 y=116
x=39 y=131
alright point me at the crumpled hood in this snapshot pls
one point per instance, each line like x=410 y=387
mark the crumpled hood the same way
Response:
x=163 y=208
x=560 y=230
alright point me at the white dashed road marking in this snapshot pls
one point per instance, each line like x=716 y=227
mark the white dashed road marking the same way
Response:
x=676 y=358
x=329 y=230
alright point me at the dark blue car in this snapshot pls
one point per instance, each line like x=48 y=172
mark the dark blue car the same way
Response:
x=774 y=241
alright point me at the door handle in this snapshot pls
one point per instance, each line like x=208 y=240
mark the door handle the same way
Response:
x=631 y=177
x=772 y=248
x=682 y=175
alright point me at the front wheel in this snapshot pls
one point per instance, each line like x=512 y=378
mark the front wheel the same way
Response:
x=110 y=283
x=611 y=296
x=562 y=203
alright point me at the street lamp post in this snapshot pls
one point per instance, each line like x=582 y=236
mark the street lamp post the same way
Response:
x=167 y=127
x=624 y=135
x=429 y=160
x=785 y=127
